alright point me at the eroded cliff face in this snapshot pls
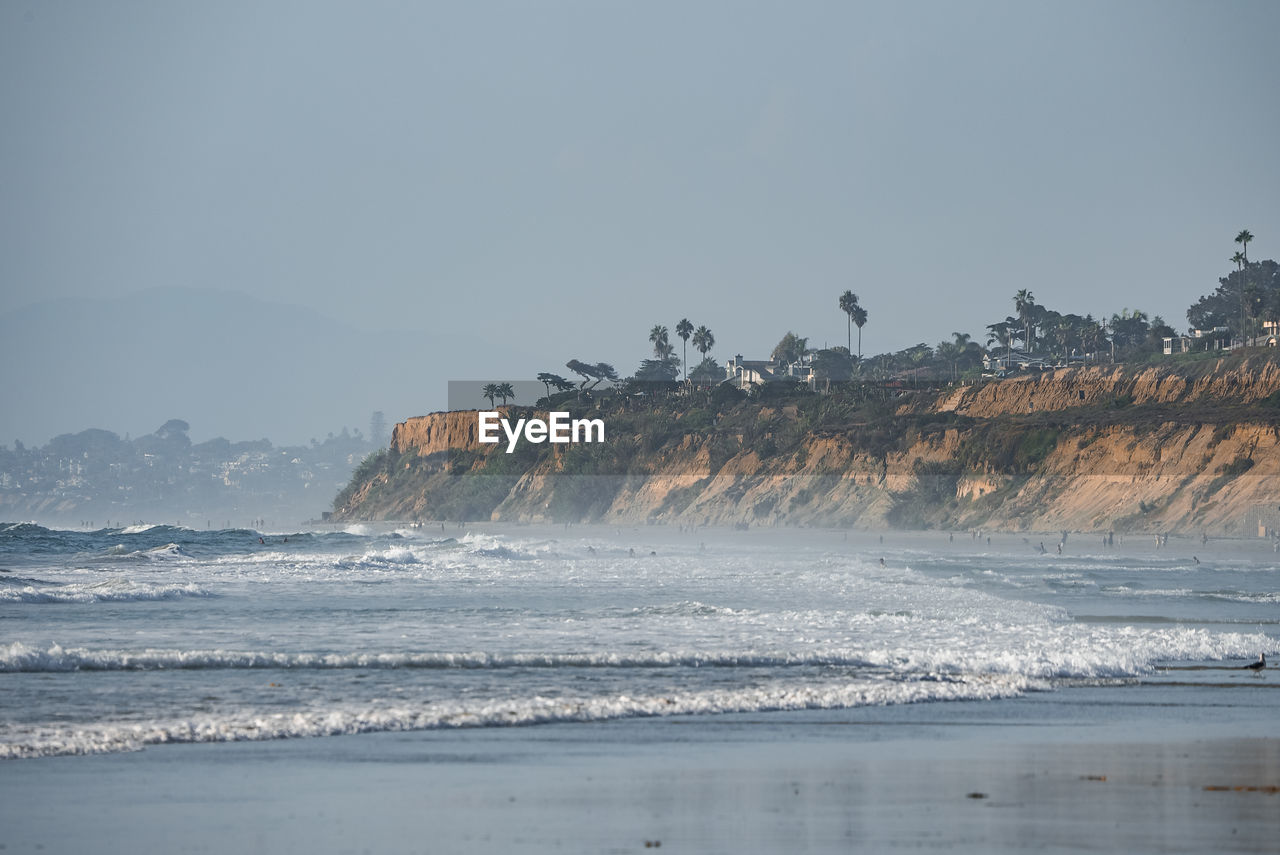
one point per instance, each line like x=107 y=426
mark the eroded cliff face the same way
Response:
x=439 y=433
x=1184 y=478
x=1163 y=460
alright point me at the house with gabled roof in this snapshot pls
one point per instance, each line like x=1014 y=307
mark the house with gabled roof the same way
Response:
x=746 y=373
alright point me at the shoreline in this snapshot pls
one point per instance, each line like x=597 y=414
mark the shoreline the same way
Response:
x=719 y=528
x=1143 y=768
x=1136 y=543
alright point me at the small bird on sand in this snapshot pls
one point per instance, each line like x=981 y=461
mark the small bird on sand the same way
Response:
x=1260 y=664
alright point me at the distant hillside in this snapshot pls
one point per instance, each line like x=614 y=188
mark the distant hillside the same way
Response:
x=1191 y=447
x=95 y=475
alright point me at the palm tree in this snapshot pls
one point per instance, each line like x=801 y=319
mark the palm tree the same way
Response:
x=1022 y=303
x=949 y=352
x=965 y=347
x=703 y=340
x=504 y=391
x=1240 y=260
x=1243 y=239
x=1058 y=333
x=859 y=316
x=658 y=336
x=684 y=329
x=918 y=355
x=1092 y=334
x=848 y=305
x=490 y=391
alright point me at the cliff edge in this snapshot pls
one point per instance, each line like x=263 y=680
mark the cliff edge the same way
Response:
x=1185 y=448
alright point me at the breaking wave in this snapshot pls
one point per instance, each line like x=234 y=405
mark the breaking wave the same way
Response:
x=110 y=591
x=1119 y=652
x=255 y=725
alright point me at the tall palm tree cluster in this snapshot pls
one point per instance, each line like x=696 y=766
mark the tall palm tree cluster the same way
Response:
x=962 y=351
x=1242 y=258
x=857 y=317
x=1247 y=296
x=498 y=390
x=1243 y=300
x=1040 y=329
x=664 y=361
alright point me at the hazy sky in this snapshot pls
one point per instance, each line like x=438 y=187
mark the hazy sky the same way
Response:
x=558 y=177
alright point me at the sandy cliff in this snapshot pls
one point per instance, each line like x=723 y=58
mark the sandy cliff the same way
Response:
x=1089 y=449
x=437 y=433
x=1099 y=386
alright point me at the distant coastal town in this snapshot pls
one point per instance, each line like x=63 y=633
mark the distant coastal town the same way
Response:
x=95 y=477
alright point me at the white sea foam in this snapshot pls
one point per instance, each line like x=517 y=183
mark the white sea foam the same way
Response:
x=111 y=590
x=689 y=608
x=394 y=555
x=509 y=548
x=258 y=725
x=544 y=630
x=392 y=558
x=1096 y=652
x=1130 y=591
x=1184 y=593
x=18 y=657
x=1243 y=596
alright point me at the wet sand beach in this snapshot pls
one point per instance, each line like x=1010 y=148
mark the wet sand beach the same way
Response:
x=1158 y=769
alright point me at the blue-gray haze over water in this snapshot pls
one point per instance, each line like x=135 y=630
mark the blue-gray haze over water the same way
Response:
x=117 y=639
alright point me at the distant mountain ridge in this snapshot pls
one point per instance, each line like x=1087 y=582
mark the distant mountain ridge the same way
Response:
x=228 y=362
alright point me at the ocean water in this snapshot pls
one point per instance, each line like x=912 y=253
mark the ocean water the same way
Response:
x=117 y=639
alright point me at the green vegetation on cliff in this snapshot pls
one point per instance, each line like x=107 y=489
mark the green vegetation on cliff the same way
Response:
x=874 y=455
